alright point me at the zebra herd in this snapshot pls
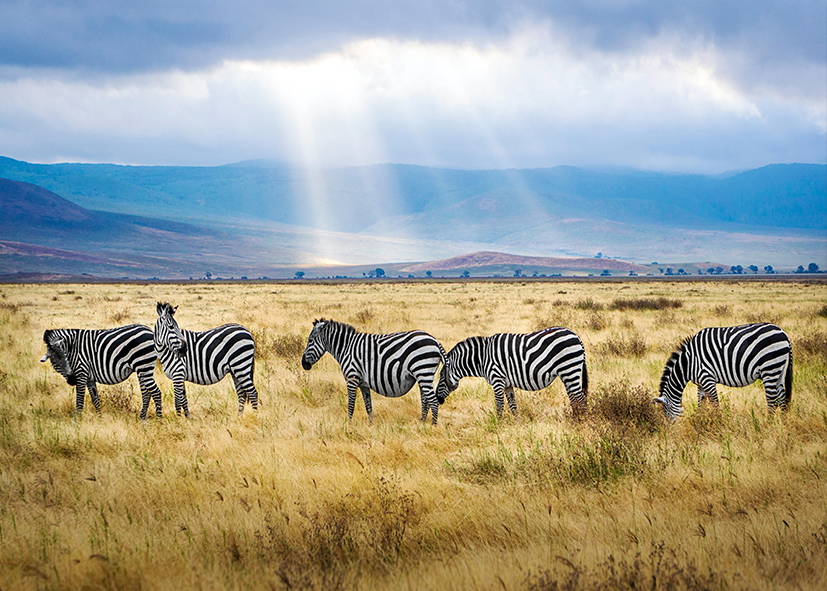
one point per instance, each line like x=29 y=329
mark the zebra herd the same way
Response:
x=390 y=364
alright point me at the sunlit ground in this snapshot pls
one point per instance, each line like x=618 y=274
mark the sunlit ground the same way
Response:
x=295 y=496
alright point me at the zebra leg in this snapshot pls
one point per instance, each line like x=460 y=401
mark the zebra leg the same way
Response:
x=147 y=384
x=156 y=396
x=428 y=398
x=774 y=391
x=246 y=392
x=241 y=392
x=252 y=395
x=93 y=394
x=498 y=399
x=512 y=404
x=368 y=404
x=711 y=393
x=180 y=398
x=352 y=384
x=701 y=395
x=80 y=396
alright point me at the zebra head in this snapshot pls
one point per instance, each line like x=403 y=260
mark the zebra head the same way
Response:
x=673 y=381
x=447 y=382
x=316 y=344
x=57 y=351
x=167 y=333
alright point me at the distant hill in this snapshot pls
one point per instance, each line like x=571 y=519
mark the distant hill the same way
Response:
x=43 y=232
x=352 y=199
x=481 y=261
x=258 y=216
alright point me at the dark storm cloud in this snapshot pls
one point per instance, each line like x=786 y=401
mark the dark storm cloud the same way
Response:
x=128 y=36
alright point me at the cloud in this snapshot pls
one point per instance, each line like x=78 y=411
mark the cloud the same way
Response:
x=698 y=86
x=534 y=99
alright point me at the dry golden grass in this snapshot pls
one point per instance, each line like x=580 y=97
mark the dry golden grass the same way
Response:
x=295 y=496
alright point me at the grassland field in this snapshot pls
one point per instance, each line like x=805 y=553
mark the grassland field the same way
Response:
x=296 y=496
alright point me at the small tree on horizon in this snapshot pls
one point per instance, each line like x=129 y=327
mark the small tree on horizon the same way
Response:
x=379 y=272
x=299 y=274
x=812 y=268
x=753 y=268
x=768 y=270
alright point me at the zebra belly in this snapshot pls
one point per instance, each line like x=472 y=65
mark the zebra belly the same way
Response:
x=393 y=390
x=531 y=385
x=122 y=371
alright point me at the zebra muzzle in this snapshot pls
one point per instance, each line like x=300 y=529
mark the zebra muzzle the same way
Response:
x=306 y=364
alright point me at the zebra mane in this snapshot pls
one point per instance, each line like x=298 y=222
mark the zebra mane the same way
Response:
x=342 y=325
x=670 y=364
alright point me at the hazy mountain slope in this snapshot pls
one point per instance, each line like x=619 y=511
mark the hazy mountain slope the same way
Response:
x=352 y=199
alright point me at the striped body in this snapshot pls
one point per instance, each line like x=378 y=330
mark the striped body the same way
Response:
x=735 y=356
x=205 y=357
x=525 y=361
x=90 y=357
x=388 y=364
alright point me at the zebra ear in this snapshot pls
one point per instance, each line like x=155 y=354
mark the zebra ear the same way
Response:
x=659 y=401
x=159 y=308
x=45 y=357
x=172 y=311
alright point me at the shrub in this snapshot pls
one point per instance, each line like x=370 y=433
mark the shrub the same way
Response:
x=622 y=345
x=721 y=310
x=625 y=407
x=645 y=304
x=288 y=345
x=588 y=304
x=597 y=321
x=813 y=343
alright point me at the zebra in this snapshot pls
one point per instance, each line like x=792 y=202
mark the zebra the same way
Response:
x=86 y=358
x=388 y=364
x=205 y=357
x=735 y=356
x=525 y=361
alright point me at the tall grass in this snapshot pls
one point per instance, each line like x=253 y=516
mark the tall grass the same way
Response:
x=295 y=496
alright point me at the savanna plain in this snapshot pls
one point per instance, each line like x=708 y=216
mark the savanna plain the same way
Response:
x=296 y=496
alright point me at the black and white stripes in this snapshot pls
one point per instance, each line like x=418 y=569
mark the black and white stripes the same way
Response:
x=525 y=361
x=89 y=357
x=389 y=364
x=205 y=357
x=734 y=356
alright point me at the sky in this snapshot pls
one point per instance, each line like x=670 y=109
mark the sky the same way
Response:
x=701 y=86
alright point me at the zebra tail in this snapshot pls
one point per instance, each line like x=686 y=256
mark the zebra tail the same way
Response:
x=788 y=382
x=585 y=379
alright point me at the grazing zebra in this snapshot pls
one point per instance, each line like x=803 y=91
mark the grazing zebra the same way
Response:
x=525 y=361
x=735 y=356
x=205 y=357
x=89 y=357
x=388 y=364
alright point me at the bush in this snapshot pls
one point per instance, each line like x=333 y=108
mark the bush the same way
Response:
x=588 y=304
x=287 y=345
x=633 y=345
x=813 y=343
x=625 y=407
x=645 y=304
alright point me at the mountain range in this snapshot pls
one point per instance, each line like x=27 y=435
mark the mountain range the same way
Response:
x=260 y=218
